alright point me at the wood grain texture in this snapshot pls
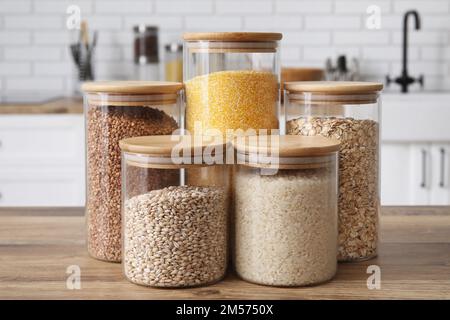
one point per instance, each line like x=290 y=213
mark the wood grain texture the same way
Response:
x=35 y=251
x=66 y=105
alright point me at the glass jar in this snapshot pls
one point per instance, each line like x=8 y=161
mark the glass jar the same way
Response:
x=114 y=111
x=285 y=193
x=231 y=81
x=175 y=213
x=146 y=52
x=289 y=74
x=349 y=112
x=174 y=62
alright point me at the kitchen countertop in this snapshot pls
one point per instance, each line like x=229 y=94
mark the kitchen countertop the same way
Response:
x=67 y=105
x=74 y=105
x=38 y=245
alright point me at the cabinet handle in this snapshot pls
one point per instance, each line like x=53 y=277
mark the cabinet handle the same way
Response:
x=423 y=184
x=442 y=178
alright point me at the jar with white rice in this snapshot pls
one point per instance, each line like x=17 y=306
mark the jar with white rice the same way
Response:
x=285 y=193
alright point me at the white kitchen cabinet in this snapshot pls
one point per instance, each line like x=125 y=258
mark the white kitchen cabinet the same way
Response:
x=420 y=173
x=42 y=186
x=415 y=173
x=404 y=174
x=415 y=117
x=41 y=139
x=42 y=160
x=440 y=175
x=395 y=177
x=415 y=149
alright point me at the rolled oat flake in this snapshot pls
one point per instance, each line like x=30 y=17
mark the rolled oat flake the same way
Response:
x=348 y=112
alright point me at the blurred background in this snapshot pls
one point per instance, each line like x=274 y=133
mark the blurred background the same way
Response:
x=48 y=47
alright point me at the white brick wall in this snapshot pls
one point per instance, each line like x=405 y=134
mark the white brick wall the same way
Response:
x=300 y=6
x=332 y=22
x=184 y=7
x=15 y=68
x=58 y=6
x=9 y=38
x=33 y=39
x=9 y=6
x=239 y=7
x=32 y=53
x=271 y=22
x=214 y=23
x=120 y=7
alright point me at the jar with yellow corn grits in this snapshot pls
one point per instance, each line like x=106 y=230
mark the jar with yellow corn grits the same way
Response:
x=231 y=81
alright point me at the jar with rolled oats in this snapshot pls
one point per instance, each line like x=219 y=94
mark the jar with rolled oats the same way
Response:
x=349 y=112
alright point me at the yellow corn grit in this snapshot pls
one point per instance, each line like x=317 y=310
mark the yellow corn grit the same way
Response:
x=243 y=99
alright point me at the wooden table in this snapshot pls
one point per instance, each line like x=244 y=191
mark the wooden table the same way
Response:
x=37 y=247
x=63 y=105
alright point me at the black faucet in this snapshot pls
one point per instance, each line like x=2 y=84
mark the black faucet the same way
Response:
x=405 y=80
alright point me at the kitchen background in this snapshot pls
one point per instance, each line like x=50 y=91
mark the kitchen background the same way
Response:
x=41 y=145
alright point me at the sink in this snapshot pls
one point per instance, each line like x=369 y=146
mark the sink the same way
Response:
x=420 y=116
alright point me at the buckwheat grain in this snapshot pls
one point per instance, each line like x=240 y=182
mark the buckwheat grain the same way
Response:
x=105 y=127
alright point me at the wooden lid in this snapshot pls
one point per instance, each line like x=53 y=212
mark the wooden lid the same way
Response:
x=132 y=87
x=162 y=146
x=334 y=87
x=131 y=100
x=288 y=145
x=301 y=74
x=232 y=36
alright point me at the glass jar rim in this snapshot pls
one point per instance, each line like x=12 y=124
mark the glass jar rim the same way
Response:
x=176 y=150
x=260 y=161
x=130 y=100
x=159 y=162
x=333 y=87
x=204 y=46
x=286 y=146
x=322 y=98
x=132 y=87
x=233 y=36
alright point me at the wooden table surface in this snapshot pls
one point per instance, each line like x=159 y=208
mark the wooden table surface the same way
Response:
x=38 y=245
x=63 y=105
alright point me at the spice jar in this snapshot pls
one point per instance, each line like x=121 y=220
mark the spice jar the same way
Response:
x=174 y=62
x=285 y=193
x=146 y=55
x=231 y=81
x=114 y=111
x=174 y=227
x=349 y=112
